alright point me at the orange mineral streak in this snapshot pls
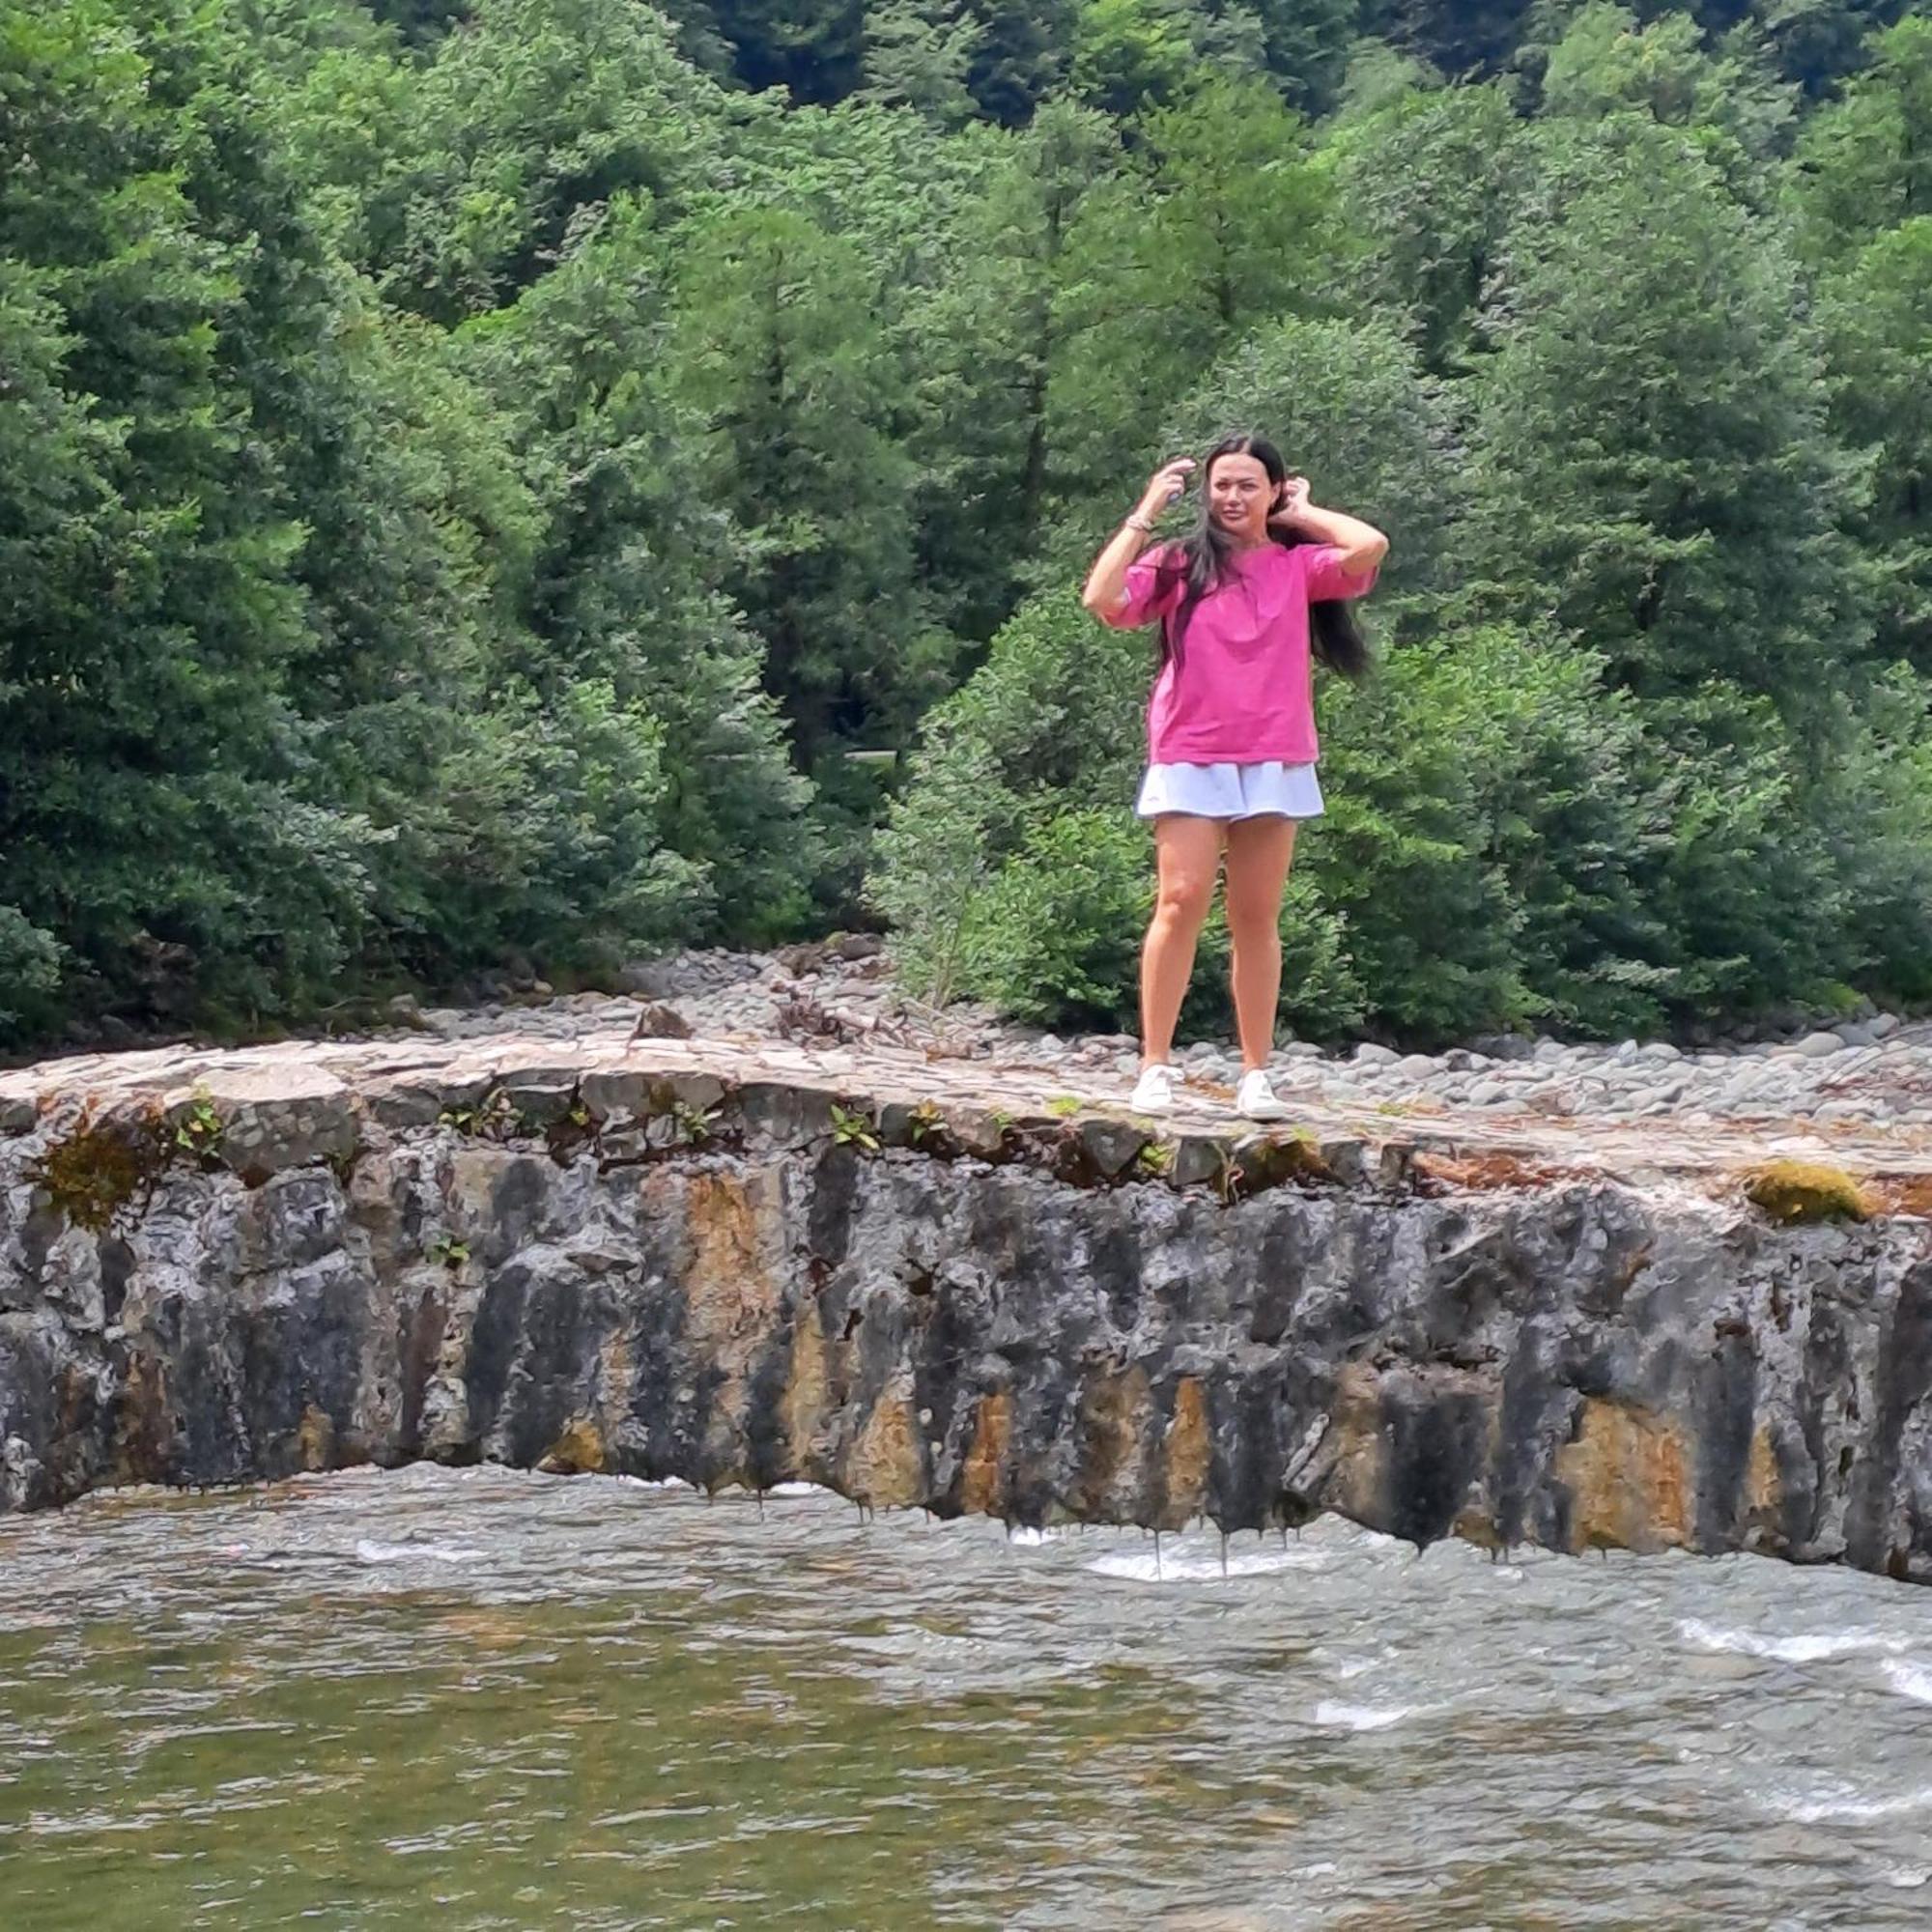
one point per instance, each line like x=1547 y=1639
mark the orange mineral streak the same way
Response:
x=1189 y=1450
x=1115 y=1433
x=983 y=1488
x=579 y=1451
x=315 y=1440
x=1627 y=1472
x=732 y=1293
x=886 y=1469
x=806 y=1404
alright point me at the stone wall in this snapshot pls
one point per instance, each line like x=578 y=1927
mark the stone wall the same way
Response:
x=671 y=1261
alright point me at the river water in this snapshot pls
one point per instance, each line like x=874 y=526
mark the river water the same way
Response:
x=477 y=1699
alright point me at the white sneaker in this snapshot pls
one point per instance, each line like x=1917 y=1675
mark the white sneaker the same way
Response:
x=1256 y=1098
x=1153 y=1091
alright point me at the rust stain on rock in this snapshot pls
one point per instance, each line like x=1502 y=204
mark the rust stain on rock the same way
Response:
x=886 y=1468
x=1491 y=1171
x=1764 y=1488
x=1189 y=1452
x=579 y=1451
x=731 y=1289
x=807 y=1402
x=982 y=1487
x=143 y=1434
x=1355 y=1486
x=1627 y=1473
x=315 y=1440
x=1115 y=1411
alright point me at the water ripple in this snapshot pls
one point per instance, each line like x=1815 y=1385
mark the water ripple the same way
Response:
x=502 y=1700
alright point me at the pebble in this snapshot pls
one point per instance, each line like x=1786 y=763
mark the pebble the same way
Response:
x=1816 y=1045
x=1840 y=1074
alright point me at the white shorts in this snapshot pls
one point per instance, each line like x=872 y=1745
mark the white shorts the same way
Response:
x=1231 y=791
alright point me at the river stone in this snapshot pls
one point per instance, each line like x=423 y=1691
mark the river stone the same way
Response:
x=1112 y=1145
x=276 y=1116
x=1817 y=1046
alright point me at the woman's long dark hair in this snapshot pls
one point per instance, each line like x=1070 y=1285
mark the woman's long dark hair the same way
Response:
x=1205 y=559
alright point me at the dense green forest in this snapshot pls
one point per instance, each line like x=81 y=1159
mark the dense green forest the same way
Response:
x=473 y=473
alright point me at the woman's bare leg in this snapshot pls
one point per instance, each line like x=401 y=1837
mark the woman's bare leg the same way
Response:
x=1260 y=852
x=1188 y=855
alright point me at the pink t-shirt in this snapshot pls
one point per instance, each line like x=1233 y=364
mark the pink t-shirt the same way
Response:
x=1243 y=690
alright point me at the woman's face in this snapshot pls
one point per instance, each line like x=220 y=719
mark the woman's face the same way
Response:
x=1239 y=498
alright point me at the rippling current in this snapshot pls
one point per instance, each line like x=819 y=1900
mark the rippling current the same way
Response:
x=486 y=1699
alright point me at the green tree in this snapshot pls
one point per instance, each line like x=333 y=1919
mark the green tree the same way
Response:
x=148 y=748
x=1875 y=310
x=521 y=126
x=1652 y=459
x=1429 y=179
x=794 y=384
x=1607 y=61
x=918 y=54
x=626 y=583
x=1864 y=162
x=813 y=48
x=1307 y=47
x=980 y=344
x=1024 y=52
x=1231 y=222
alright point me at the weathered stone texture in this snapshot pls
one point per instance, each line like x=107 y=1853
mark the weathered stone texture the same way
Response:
x=664 y=1273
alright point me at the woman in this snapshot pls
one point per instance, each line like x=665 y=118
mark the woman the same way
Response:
x=1231 y=724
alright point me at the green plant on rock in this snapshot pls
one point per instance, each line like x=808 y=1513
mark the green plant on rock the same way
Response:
x=103 y=1167
x=446 y=1251
x=199 y=1130
x=923 y=1122
x=852 y=1128
x=1155 y=1160
x=693 y=1125
x=493 y=1117
x=1064 y=1106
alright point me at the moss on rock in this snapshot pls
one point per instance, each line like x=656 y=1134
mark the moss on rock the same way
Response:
x=1793 y=1191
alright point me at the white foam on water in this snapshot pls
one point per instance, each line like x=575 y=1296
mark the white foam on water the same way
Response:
x=1907 y=1878
x=1336 y=1715
x=369 y=1551
x=798 y=1490
x=1842 y=1803
x=1812 y=1649
x=1910 y=1679
x=1190 y=1566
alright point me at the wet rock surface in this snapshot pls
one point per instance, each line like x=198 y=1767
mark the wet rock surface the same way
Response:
x=1528 y=1296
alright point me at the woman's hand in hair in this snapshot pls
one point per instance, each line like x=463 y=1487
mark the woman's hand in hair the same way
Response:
x=1164 y=485
x=1289 y=503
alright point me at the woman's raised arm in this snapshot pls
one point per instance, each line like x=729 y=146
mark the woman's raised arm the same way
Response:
x=1362 y=546
x=1106 y=589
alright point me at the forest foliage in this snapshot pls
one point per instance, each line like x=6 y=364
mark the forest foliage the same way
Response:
x=474 y=474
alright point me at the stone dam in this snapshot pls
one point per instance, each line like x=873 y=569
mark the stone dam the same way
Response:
x=921 y=1282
